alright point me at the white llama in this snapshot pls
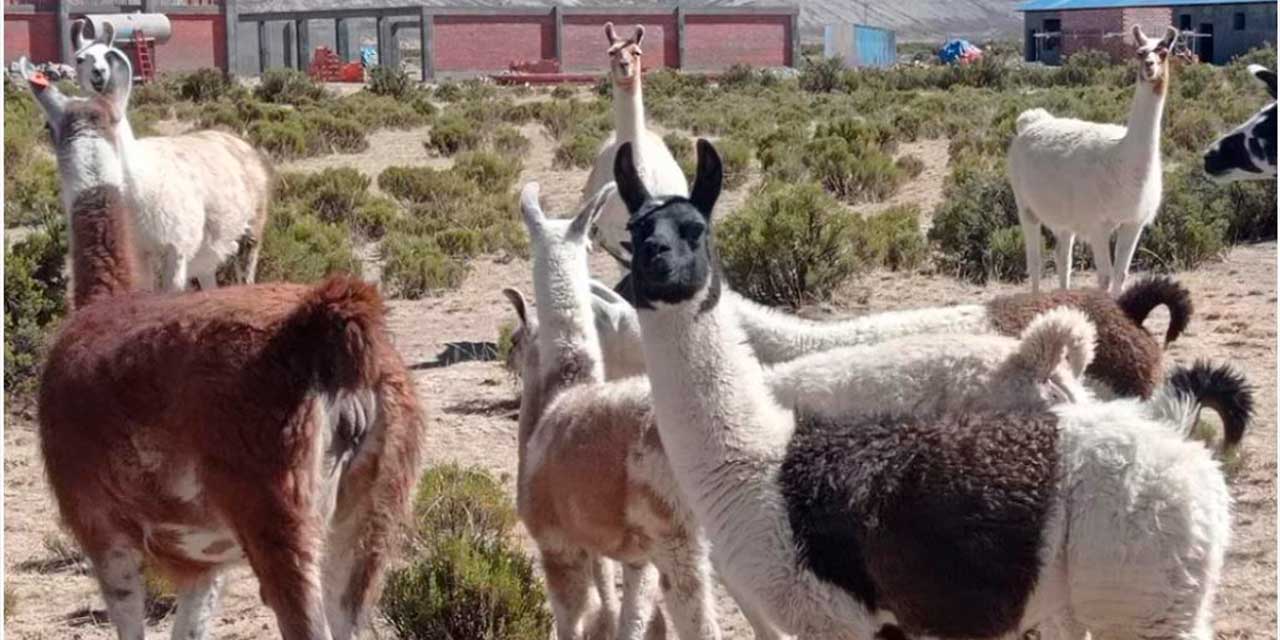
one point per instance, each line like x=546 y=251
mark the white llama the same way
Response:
x=658 y=168
x=196 y=197
x=1091 y=179
x=951 y=525
x=93 y=68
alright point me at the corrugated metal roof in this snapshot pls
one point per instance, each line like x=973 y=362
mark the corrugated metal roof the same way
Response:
x=1067 y=5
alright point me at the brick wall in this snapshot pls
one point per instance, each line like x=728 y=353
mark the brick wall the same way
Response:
x=585 y=44
x=491 y=43
x=197 y=41
x=34 y=35
x=1109 y=30
x=718 y=41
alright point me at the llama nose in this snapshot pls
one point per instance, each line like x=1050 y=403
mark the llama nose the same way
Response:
x=653 y=249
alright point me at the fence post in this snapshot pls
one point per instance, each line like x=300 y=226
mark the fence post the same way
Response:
x=383 y=29
x=795 y=39
x=557 y=21
x=288 y=50
x=231 y=18
x=426 y=34
x=264 y=47
x=304 y=44
x=65 y=48
x=680 y=36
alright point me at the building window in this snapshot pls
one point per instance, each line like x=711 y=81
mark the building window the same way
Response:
x=1238 y=21
x=1053 y=29
x=1184 y=22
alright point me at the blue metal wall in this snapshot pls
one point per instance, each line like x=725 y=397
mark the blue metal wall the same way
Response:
x=860 y=46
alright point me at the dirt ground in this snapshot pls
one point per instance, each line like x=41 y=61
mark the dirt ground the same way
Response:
x=473 y=405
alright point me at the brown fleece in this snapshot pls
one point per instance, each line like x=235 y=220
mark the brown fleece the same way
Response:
x=140 y=389
x=103 y=258
x=1138 y=300
x=1127 y=358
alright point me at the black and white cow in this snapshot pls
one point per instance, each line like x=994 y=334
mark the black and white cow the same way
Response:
x=1248 y=152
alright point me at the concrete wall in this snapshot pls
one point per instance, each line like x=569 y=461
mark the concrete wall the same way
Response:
x=1229 y=42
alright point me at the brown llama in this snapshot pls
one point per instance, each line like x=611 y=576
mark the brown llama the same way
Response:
x=271 y=423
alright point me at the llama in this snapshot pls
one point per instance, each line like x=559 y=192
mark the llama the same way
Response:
x=1129 y=361
x=1090 y=179
x=951 y=525
x=197 y=197
x=661 y=172
x=274 y=423
x=1247 y=152
x=93 y=68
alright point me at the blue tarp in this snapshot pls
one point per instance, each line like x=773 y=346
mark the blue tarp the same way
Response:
x=955 y=51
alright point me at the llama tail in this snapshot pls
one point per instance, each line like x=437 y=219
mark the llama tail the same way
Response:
x=334 y=334
x=1220 y=388
x=1030 y=117
x=102 y=252
x=1057 y=333
x=1138 y=300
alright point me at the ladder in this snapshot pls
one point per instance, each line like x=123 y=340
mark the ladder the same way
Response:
x=142 y=50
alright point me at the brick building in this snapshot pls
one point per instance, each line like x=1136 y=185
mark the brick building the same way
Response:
x=1216 y=30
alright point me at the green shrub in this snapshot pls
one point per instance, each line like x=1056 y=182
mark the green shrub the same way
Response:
x=415 y=266
x=426 y=186
x=735 y=154
x=31 y=190
x=562 y=92
x=282 y=140
x=853 y=174
x=463 y=588
x=333 y=135
x=376 y=112
x=681 y=149
x=977 y=202
x=510 y=141
x=507 y=346
x=389 y=81
x=579 y=151
x=893 y=238
x=162 y=94
x=204 y=85
x=822 y=76
x=453 y=133
x=302 y=248
x=452 y=500
x=790 y=244
x=35 y=290
x=1007 y=256
x=1190 y=228
x=374 y=216
x=563 y=118
x=333 y=194
x=910 y=165
x=489 y=171
x=288 y=86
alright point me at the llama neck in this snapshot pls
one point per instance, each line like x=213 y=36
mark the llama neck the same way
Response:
x=101 y=247
x=628 y=111
x=568 y=343
x=1146 y=114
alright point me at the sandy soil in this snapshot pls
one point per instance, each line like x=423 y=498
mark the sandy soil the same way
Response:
x=473 y=406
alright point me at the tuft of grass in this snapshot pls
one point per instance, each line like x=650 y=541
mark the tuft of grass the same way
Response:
x=453 y=133
x=490 y=172
x=579 y=151
x=35 y=292
x=416 y=266
x=300 y=247
x=389 y=81
x=893 y=238
x=288 y=86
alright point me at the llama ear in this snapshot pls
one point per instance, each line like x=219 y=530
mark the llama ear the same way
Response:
x=1139 y=38
x=1266 y=77
x=517 y=302
x=630 y=188
x=107 y=35
x=77 y=34
x=120 y=83
x=609 y=33
x=706 y=185
x=1170 y=35
x=639 y=35
x=1056 y=334
x=591 y=211
x=530 y=209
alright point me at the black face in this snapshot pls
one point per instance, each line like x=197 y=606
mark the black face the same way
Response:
x=672 y=258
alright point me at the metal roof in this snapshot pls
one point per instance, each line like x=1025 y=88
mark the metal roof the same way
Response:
x=1067 y=5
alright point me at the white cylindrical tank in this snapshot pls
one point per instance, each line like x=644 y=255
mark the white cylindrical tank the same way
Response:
x=153 y=25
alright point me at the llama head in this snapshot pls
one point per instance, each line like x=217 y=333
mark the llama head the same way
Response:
x=1049 y=362
x=1153 y=56
x=522 y=359
x=624 y=57
x=93 y=66
x=1247 y=152
x=560 y=247
x=672 y=258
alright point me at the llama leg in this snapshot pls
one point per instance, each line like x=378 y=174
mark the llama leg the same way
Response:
x=173 y=271
x=207 y=281
x=1031 y=236
x=251 y=258
x=638 y=599
x=569 y=585
x=1101 y=245
x=1126 y=243
x=1062 y=258
x=118 y=568
x=602 y=571
x=686 y=587
x=761 y=627
x=196 y=607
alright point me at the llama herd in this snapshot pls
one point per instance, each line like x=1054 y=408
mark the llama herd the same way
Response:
x=972 y=471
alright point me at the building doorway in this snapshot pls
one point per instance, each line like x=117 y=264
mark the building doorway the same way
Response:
x=1206 y=42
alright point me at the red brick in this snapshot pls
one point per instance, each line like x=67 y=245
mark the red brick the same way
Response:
x=585 y=45
x=719 y=41
x=34 y=35
x=491 y=43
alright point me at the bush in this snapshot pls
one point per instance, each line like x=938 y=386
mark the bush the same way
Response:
x=853 y=174
x=453 y=133
x=35 y=290
x=489 y=171
x=1190 y=228
x=374 y=216
x=329 y=134
x=281 y=140
x=510 y=141
x=375 y=111
x=302 y=248
x=333 y=194
x=893 y=238
x=288 y=86
x=389 y=81
x=578 y=151
x=442 y=189
x=735 y=154
x=415 y=266
x=822 y=76
x=977 y=203
x=463 y=588
x=790 y=244
x=910 y=165
x=452 y=500
x=204 y=85
x=562 y=92
x=31 y=190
